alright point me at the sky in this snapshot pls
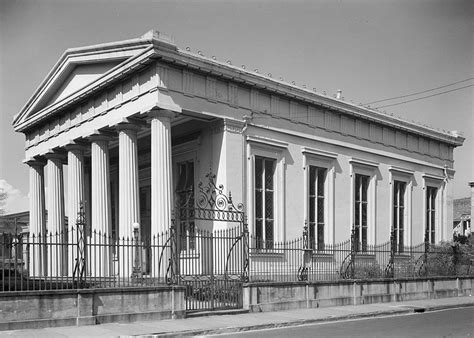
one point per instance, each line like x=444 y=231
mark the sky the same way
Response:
x=371 y=50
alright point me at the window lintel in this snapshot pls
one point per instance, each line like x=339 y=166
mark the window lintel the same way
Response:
x=320 y=153
x=432 y=177
x=267 y=142
x=365 y=163
x=403 y=171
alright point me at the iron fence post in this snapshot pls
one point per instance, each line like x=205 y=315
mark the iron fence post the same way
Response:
x=173 y=261
x=391 y=264
x=307 y=254
x=353 y=251
x=425 y=254
x=137 y=268
x=246 y=253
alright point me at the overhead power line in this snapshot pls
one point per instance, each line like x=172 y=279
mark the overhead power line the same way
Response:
x=422 y=92
x=425 y=97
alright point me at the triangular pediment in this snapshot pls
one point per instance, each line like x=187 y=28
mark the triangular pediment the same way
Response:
x=78 y=78
x=79 y=69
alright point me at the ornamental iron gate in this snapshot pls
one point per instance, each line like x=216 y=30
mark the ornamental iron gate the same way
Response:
x=209 y=250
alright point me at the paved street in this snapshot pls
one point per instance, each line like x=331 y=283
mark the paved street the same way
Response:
x=443 y=323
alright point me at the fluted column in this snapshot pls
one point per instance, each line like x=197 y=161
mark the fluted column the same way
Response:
x=55 y=206
x=101 y=221
x=129 y=208
x=161 y=182
x=37 y=260
x=75 y=185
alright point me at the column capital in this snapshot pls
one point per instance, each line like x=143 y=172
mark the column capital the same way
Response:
x=56 y=154
x=101 y=136
x=160 y=113
x=124 y=126
x=36 y=161
x=76 y=145
x=130 y=123
x=471 y=184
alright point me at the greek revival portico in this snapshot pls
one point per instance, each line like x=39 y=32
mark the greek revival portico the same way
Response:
x=97 y=147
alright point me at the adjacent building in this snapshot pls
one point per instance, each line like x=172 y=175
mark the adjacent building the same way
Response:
x=129 y=127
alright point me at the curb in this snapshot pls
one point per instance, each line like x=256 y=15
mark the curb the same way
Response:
x=201 y=332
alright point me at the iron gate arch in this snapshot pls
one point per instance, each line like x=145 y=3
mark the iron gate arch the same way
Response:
x=209 y=249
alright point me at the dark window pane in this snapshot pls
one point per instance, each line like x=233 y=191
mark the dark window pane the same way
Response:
x=364 y=214
x=312 y=209
x=432 y=220
x=357 y=238
x=320 y=210
x=402 y=194
x=258 y=172
x=181 y=177
x=400 y=241
x=357 y=214
x=258 y=229
x=269 y=174
x=365 y=184
x=364 y=239
x=395 y=193
x=190 y=176
x=312 y=235
x=320 y=236
x=269 y=204
x=312 y=180
x=401 y=217
x=258 y=204
x=269 y=233
x=357 y=188
x=395 y=218
x=321 y=179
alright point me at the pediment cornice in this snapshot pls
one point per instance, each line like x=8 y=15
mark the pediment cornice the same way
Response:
x=128 y=55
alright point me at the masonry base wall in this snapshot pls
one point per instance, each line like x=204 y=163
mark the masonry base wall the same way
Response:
x=260 y=297
x=39 y=309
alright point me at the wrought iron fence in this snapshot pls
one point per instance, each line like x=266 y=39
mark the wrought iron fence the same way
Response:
x=73 y=259
x=295 y=260
x=81 y=259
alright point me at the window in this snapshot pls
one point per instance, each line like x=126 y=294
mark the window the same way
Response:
x=319 y=204
x=398 y=225
x=431 y=193
x=360 y=210
x=265 y=179
x=264 y=201
x=185 y=196
x=317 y=195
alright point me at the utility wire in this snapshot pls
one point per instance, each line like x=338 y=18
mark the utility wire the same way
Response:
x=422 y=92
x=425 y=97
